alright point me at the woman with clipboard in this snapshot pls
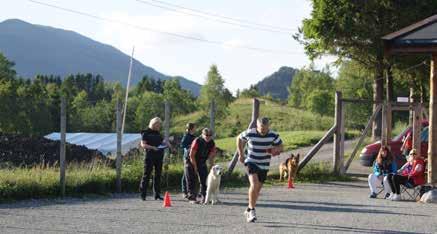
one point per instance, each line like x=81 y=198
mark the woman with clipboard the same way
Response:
x=153 y=145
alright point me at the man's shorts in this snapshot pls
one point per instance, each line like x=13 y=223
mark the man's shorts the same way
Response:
x=253 y=169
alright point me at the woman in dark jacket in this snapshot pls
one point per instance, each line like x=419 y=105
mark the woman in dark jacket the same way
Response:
x=187 y=139
x=153 y=145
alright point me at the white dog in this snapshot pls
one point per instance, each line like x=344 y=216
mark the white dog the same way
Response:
x=213 y=184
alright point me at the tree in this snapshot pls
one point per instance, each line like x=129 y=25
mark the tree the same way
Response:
x=307 y=81
x=150 y=105
x=6 y=69
x=353 y=30
x=8 y=97
x=321 y=102
x=251 y=92
x=214 y=89
x=181 y=101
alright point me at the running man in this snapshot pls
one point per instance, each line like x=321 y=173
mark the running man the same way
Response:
x=262 y=144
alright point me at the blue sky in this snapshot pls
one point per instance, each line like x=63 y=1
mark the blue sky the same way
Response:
x=174 y=56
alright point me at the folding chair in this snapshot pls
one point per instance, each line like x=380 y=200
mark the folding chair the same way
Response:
x=410 y=192
x=381 y=189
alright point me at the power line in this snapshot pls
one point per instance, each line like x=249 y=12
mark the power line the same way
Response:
x=218 y=18
x=222 y=16
x=187 y=37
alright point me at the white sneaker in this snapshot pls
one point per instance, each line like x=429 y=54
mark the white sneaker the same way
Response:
x=391 y=196
x=250 y=216
x=396 y=197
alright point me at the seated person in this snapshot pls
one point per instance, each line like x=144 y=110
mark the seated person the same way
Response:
x=383 y=165
x=412 y=173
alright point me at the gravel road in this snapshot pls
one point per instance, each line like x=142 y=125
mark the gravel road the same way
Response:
x=336 y=207
x=310 y=208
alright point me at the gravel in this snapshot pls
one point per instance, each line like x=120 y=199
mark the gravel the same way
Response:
x=310 y=208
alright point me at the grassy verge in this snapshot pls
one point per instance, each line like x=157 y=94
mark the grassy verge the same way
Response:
x=283 y=118
x=98 y=179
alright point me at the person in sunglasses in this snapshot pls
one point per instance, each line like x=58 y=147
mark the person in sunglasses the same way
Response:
x=411 y=175
x=202 y=150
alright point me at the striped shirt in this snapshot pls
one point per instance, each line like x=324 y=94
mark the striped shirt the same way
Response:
x=257 y=146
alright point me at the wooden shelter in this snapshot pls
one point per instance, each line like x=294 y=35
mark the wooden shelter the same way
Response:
x=420 y=38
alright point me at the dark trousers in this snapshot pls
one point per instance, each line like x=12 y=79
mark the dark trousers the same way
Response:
x=191 y=178
x=184 y=180
x=395 y=182
x=150 y=162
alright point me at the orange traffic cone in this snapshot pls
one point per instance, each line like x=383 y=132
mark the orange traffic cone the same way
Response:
x=290 y=184
x=167 y=200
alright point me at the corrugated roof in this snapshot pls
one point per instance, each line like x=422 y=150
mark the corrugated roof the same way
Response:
x=103 y=142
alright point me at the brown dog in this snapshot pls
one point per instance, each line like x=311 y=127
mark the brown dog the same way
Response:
x=289 y=167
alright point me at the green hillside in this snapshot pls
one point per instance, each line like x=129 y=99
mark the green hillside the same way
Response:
x=283 y=118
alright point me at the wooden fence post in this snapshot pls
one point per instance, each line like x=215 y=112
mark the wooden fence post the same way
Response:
x=255 y=115
x=62 y=149
x=338 y=141
x=166 y=138
x=363 y=135
x=417 y=126
x=384 y=125
x=432 y=141
x=316 y=147
x=212 y=113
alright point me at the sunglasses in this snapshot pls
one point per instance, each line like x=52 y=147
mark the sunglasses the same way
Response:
x=207 y=135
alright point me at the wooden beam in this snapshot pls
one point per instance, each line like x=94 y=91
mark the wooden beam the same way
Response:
x=166 y=123
x=316 y=148
x=432 y=146
x=400 y=108
x=118 y=127
x=389 y=113
x=342 y=138
x=417 y=127
x=252 y=124
x=336 y=160
x=62 y=149
x=212 y=117
x=362 y=137
x=363 y=101
x=389 y=118
x=384 y=125
x=410 y=49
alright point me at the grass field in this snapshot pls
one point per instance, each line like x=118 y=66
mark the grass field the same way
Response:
x=297 y=129
x=98 y=179
x=283 y=118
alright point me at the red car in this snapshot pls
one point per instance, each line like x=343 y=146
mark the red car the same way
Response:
x=369 y=152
